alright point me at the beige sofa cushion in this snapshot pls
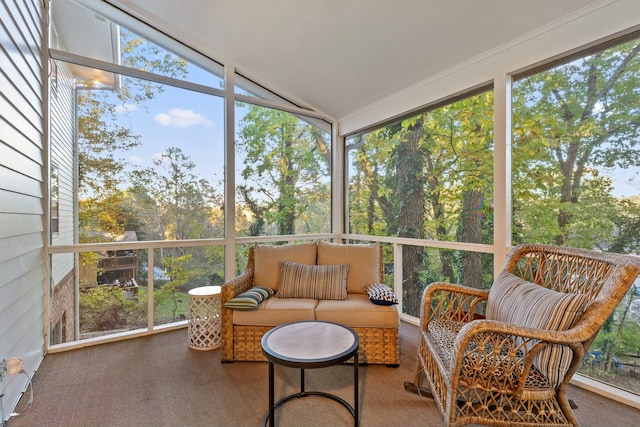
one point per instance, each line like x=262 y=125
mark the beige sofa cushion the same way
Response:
x=358 y=312
x=276 y=311
x=268 y=258
x=364 y=262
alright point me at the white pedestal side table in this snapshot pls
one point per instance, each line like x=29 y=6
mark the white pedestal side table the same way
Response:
x=204 y=318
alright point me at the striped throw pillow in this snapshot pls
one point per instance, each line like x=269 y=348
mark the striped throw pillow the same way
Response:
x=249 y=300
x=313 y=281
x=522 y=303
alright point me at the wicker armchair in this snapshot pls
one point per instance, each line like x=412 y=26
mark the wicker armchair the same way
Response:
x=493 y=372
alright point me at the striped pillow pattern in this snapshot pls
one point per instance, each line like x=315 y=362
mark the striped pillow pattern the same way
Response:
x=522 y=303
x=313 y=281
x=249 y=300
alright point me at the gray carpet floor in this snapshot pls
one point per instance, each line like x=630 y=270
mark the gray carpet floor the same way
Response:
x=158 y=381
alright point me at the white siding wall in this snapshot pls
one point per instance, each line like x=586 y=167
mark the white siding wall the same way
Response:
x=62 y=100
x=21 y=190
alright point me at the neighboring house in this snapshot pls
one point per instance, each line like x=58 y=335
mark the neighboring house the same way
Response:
x=118 y=268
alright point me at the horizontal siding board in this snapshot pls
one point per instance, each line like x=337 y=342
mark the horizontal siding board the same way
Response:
x=25 y=313
x=27 y=53
x=17 y=224
x=21 y=264
x=19 y=120
x=24 y=101
x=12 y=137
x=19 y=162
x=26 y=243
x=61 y=265
x=11 y=202
x=13 y=77
x=11 y=180
x=16 y=289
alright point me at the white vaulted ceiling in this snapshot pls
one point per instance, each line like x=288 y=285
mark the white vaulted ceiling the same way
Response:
x=339 y=56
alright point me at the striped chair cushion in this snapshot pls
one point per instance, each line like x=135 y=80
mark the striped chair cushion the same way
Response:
x=313 y=281
x=522 y=303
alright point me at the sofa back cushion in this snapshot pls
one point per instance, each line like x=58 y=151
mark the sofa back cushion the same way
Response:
x=363 y=260
x=522 y=303
x=313 y=281
x=268 y=258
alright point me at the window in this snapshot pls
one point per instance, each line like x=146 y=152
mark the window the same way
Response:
x=283 y=173
x=576 y=177
x=55 y=197
x=429 y=176
x=147 y=148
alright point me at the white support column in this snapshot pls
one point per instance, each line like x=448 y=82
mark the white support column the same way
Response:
x=338 y=186
x=502 y=169
x=230 y=174
x=397 y=275
x=150 y=289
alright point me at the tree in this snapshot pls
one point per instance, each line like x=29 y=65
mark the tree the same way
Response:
x=104 y=134
x=178 y=205
x=286 y=170
x=570 y=121
x=428 y=176
x=180 y=201
x=410 y=184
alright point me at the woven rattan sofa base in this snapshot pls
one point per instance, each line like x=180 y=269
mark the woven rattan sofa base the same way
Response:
x=377 y=345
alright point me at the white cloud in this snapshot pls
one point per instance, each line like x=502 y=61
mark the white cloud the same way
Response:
x=126 y=108
x=179 y=118
x=135 y=160
x=160 y=158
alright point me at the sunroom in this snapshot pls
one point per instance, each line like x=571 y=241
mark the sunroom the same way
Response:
x=148 y=145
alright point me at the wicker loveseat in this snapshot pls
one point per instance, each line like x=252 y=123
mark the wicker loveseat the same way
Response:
x=377 y=326
x=542 y=314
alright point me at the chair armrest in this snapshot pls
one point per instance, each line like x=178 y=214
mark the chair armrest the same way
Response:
x=229 y=290
x=449 y=301
x=236 y=286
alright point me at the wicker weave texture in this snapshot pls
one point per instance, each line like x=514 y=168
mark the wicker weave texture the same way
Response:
x=482 y=371
x=377 y=345
x=243 y=343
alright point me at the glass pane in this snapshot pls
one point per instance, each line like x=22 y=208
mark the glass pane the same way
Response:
x=427 y=177
x=422 y=266
x=178 y=270
x=576 y=178
x=150 y=161
x=283 y=173
x=111 y=299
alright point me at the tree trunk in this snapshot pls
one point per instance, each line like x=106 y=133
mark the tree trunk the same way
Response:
x=411 y=215
x=470 y=231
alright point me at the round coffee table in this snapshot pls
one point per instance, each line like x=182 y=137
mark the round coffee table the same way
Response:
x=310 y=345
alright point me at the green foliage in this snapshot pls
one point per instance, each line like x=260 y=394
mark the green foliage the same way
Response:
x=286 y=172
x=104 y=133
x=569 y=123
x=105 y=308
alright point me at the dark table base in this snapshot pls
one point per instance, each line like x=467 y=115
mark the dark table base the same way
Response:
x=270 y=416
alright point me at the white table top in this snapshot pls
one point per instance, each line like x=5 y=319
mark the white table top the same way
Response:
x=205 y=291
x=310 y=341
